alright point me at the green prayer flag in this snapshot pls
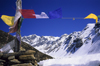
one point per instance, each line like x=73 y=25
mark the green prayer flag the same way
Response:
x=19 y=25
x=99 y=16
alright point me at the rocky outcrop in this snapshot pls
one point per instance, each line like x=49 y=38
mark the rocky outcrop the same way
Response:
x=78 y=42
x=27 y=56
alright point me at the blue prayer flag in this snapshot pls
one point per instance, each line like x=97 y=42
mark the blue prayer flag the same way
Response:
x=55 y=14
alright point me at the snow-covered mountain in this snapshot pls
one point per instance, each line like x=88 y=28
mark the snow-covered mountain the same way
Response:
x=42 y=43
x=78 y=45
x=50 y=44
x=60 y=46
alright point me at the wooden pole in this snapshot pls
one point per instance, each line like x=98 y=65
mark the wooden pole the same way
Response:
x=18 y=17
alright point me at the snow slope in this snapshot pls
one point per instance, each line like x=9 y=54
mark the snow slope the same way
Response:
x=86 y=60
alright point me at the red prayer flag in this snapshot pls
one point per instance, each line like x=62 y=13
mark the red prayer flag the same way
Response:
x=27 y=13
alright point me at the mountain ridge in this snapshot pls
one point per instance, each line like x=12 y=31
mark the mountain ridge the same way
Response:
x=48 y=45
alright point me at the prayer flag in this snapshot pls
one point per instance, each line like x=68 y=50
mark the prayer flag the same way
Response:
x=55 y=14
x=99 y=16
x=27 y=13
x=17 y=18
x=92 y=16
x=16 y=26
x=42 y=15
x=9 y=20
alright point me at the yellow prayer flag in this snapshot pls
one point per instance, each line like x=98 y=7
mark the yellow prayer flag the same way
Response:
x=9 y=20
x=92 y=16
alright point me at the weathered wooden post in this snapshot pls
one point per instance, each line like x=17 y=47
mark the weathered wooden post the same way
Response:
x=18 y=18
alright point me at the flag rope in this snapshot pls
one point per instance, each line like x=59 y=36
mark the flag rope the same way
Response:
x=72 y=17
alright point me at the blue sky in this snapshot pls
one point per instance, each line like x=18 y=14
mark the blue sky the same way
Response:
x=52 y=27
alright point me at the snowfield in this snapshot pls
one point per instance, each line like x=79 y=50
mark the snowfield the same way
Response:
x=84 y=60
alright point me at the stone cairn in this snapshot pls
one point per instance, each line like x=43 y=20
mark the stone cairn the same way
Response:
x=27 y=56
x=22 y=58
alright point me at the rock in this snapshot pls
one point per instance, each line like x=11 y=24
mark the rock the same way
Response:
x=28 y=52
x=2 y=62
x=96 y=30
x=1 y=54
x=34 y=62
x=11 y=57
x=97 y=25
x=22 y=49
x=26 y=57
x=24 y=64
x=14 y=61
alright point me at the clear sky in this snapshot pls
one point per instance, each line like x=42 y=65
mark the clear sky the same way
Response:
x=52 y=27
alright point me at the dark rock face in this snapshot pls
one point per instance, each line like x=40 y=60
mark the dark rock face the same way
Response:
x=78 y=42
x=27 y=56
x=97 y=25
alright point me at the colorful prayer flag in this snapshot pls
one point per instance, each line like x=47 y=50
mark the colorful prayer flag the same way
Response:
x=18 y=8
x=27 y=13
x=92 y=16
x=16 y=26
x=17 y=18
x=9 y=20
x=99 y=16
x=19 y=25
x=42 y=15
x=55 y=14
